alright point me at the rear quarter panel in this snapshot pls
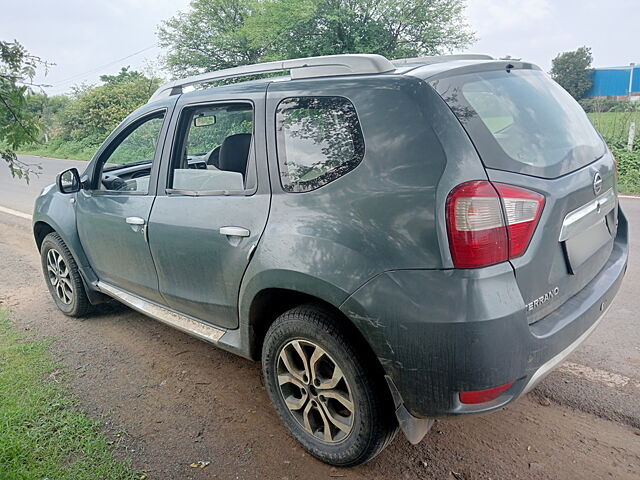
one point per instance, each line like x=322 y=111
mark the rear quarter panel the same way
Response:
x=383 y=215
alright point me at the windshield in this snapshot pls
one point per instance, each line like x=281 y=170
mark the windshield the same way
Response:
x=521 y=120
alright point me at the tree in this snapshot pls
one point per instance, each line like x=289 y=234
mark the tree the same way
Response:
x=123 y=76
x=18 y=126
x=217 y=34
x=94 y=112
x=572 y=71
x=47 y=110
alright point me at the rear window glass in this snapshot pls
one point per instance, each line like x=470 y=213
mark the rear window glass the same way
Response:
x=522 y=121
x=319 y=140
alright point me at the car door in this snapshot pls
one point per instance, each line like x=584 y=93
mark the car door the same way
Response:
x=212 y=204
x=112 y=211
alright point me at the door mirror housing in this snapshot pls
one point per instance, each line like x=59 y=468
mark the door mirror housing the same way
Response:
x=69 y=181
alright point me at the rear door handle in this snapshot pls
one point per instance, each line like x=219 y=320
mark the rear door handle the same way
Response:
x=135 y=221
x=234 y=231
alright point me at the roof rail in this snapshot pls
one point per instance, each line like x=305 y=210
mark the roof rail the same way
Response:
x=441 y=59
x=311 y=67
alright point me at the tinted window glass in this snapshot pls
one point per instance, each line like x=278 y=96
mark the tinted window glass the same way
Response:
x=319 y=140
x=522 y=121
x=212 y=150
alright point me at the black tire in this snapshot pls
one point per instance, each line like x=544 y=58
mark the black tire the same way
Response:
x=68 y=293
x=372 y=420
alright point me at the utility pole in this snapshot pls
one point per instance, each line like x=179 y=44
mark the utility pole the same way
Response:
x=632 y=65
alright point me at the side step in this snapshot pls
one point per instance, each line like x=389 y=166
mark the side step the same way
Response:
x=164 y=315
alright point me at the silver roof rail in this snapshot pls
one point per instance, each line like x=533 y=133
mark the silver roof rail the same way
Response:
x=311 y=67
x=441 y=59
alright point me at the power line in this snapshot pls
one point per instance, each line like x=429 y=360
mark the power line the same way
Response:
x=96 y=69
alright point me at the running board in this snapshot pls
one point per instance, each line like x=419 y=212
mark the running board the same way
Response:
x=164 y=315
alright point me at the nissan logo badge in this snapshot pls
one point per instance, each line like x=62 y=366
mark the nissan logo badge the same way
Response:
x=597 y=183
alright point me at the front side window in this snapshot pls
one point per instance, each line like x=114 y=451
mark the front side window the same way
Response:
x=212 y=148
x=319 y=140
x=126 y=167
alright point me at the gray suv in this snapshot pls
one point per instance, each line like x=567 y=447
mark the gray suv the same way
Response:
x=395 y=241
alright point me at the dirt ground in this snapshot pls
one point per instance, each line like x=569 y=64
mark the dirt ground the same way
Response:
x=169 y=400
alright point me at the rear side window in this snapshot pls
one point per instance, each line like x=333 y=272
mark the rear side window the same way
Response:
x=522 y=121
x=319 y=140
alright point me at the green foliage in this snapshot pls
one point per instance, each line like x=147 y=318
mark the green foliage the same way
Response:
x=43 y=435
x=628 y=169
x=95 y=112
x=614 y=127
x=18 y=126
x=75 y=127
x=202 y=140
x=571 y=70
x=140 y=145
x=124 y=75
x=601 y=105
x=217 y=34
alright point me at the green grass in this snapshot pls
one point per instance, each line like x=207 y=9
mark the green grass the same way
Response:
x=614 y=127
x=42 y=433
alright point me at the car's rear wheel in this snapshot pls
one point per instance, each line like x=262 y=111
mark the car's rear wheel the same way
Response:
x=324 y=389
x=63 y=278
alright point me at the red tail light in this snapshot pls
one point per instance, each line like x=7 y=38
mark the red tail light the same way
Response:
x=479 y=235
x=482 y=396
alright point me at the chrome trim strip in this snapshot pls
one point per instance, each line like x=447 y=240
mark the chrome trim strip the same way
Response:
x=164 y=315
x=587 y=215
x=547 y=367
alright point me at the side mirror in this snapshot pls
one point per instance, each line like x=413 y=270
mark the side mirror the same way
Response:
x=69 y=181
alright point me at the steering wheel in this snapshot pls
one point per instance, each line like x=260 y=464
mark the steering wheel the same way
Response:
x=113 y=182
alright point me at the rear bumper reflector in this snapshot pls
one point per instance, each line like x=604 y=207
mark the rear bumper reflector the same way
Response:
x=483 y=396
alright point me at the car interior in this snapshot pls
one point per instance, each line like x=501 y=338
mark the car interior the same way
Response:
x=211 y=153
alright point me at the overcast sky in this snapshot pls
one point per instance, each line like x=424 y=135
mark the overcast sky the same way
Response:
x=86 y=39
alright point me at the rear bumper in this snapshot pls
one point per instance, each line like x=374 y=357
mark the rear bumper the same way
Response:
x=440 y=332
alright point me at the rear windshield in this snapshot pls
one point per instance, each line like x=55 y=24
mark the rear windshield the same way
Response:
x=522 y=121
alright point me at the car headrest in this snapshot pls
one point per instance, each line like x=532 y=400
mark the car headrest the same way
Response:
x=234 y=152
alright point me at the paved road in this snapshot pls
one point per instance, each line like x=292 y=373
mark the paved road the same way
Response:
x=590 y=405
x=17 y=195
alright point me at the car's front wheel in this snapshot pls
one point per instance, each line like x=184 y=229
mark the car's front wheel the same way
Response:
x=62 y=277
x=327 y=394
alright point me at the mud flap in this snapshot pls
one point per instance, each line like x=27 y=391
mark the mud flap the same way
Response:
x=413 y=428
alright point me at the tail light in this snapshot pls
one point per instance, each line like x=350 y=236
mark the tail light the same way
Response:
x=489 y=223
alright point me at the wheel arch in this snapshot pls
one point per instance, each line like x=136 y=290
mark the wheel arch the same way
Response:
x=268 y=304
x=40 y=230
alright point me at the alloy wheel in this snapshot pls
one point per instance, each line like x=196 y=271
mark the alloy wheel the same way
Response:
x=315 y=391
x=59 y=276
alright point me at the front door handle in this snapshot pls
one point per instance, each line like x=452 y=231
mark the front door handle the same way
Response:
x=135 y=221
x=138 y=224
x=234 y=231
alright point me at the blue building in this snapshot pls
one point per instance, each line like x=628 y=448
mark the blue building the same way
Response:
x=613 y=82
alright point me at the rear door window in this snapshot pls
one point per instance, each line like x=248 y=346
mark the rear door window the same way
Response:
x=522 y=121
